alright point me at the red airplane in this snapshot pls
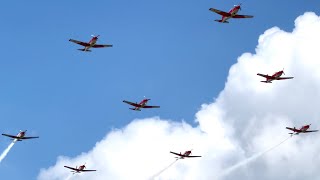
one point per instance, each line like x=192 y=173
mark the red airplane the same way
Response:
x=275 y=76
x=90 y=44
x=303 y=129
x=20 y=136
x=184 y=155
x=142 y=104
x=79 y=169
x=231 y=14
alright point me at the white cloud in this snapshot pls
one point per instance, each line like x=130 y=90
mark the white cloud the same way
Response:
x=248 y=117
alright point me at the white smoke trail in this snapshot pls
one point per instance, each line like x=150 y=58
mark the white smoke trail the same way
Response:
x=248 y=160
x=6 y=151
x=160 y=172
x=69 y=177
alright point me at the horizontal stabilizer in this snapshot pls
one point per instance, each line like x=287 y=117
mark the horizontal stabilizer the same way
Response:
x=266 y=81
x=221 y=21
x=84 y=50
x=134 y=109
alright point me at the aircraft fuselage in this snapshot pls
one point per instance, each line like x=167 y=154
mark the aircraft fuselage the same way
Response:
x=233 y=12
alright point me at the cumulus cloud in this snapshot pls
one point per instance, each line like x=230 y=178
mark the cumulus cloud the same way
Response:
x=246 y=119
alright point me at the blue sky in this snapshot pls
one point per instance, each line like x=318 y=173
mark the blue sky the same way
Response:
x=170 y=51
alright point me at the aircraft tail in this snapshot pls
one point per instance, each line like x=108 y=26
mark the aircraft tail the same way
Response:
x=220 y=21
x=134 y=109
x=84 y=50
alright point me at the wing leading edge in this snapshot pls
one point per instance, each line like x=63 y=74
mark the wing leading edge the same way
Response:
x=131 y=103
x=282 y=78
x=79 y=42
x=150 y=107
x=102 y=45
x=222 y=13
x=242 y=16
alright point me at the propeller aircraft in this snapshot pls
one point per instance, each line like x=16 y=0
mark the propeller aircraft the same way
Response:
x=90 y=44
x=142 y=104
x=233 y=13
x=184 y=155
x=275 y=76
x=79 y=169
x=20 y=136
x=303 y=129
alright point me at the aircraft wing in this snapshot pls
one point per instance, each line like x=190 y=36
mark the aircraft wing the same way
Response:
x=102 y=45
x=242 y=16
x=8 y=135
x=265 y=76
x=88 y=170
x=29 y=137
x=79 y=42
x=311 y=131
x=75 y=169
x=191 y=156
x=220 y=12
x=151 y=107
x=131 y=103
x=176 y=153
x=290 y=128
x=282 y=78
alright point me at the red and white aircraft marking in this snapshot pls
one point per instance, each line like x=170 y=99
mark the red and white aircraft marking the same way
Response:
x=20 y=136
x=303 y=129
x=142 y=104
x=79 y=169
x=275 y=76
x=231 y=14
x=184 y=155
x=90 y=44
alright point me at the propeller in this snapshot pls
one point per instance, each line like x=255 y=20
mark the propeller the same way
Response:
x=238 y=5
x=95 y=36
x=146 y=98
